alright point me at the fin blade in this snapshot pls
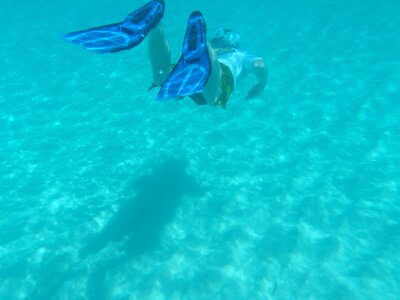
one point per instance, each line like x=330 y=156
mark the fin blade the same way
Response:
x=103 y=39
x=191 y=73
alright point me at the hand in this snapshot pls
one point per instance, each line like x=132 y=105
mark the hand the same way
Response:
x=255 y=91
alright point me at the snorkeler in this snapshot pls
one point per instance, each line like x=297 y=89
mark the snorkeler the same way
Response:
x=206 y=71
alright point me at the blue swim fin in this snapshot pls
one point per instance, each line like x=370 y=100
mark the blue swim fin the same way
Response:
x=194 y=66
x=120 y=36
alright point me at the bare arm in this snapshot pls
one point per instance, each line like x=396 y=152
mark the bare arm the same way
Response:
x=260 y=71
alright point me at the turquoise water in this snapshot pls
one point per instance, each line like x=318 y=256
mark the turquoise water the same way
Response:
x=106 y=193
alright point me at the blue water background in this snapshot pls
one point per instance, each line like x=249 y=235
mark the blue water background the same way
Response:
x=106 y=193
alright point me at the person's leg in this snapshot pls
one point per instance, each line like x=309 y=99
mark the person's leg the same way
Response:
x=160 y=55
x=212 y=90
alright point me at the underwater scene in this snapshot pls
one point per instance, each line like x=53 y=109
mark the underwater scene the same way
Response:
x=107 y=192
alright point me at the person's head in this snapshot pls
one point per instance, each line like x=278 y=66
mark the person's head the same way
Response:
x=225 y=38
